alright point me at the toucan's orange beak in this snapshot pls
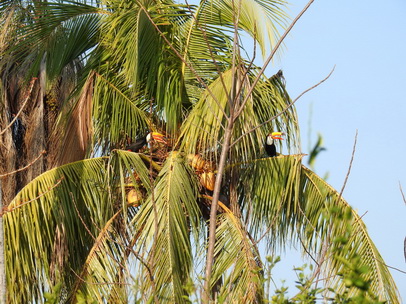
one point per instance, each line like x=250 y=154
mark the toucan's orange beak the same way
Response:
x=277 y=135
x=158 y=137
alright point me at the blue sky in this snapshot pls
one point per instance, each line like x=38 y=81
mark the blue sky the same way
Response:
x=366 y=41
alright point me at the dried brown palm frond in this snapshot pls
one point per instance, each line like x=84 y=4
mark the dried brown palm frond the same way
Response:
x=77 y=135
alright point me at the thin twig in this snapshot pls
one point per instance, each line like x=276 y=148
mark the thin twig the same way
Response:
x=23 y=168
x=22 y=107
x=308 y=252
x=145 y=263
x=80 y=217
x=401 y=191
x=270 y=57
x=7 y=209
x=246 y=71
x=270 y=226
x=349 y=167
x=92 y=283
x=285 y=109
x=391 y=267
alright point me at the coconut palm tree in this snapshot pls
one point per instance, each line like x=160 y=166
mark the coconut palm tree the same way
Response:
x=121 y=226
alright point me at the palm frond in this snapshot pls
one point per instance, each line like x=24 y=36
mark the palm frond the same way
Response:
x=61 y=32
x=116 y=111
x=50 y=204
x=133 y=40
x=204 y=128
x=223 y=15
x=165 y=222
x=321 y=198
x=72 y=40
x=237 y=262
x=58 y=224
x=286 y=201
x=271 y=199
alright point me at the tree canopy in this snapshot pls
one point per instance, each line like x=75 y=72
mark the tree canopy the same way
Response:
x=92 y=222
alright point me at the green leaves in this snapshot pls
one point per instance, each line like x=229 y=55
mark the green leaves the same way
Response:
x=45 y=216
x=357 y=241
x=160 y=66
x=166 y=221
x=237 y=262
x=117 y=111
x=287 y=201
x=67 y=216
x=81 y=231
x=203 y=130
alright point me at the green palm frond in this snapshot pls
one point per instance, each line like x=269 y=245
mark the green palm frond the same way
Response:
x=62 y=32
x=132 y=39
x=165 y=235
x=222 y=14
x=116 y=111
x=71 y=41
x=237 y=262
x=321 y=201
x=207 y=45
x=286 y=201
x=47 y=207
x=66 y=216
x=204 y=47
x=271 y=198
x=204 y=127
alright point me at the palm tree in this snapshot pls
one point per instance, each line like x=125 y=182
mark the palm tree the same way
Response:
x=122 y=226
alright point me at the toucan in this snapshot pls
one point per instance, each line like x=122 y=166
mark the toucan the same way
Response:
x=146 y=139
x=270 y=147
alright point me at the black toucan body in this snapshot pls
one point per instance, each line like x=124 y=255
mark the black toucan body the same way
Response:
x=142 y=141
x=270 y=147
x=137 y=145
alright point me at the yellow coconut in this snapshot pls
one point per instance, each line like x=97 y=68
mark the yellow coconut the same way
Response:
x=208 y=166
x=196 y=161
x=208 y=179
x=134 y=197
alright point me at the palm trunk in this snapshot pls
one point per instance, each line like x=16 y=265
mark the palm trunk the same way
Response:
x=3 y=287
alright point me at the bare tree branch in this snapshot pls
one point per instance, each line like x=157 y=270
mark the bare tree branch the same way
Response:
x=213 y=213
x=25 y=167
x=234 y=113
x=285 y=109
x=349 y=167
x=7 y=209
x=401 y=191
x=268 y=60
x=27 y=97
